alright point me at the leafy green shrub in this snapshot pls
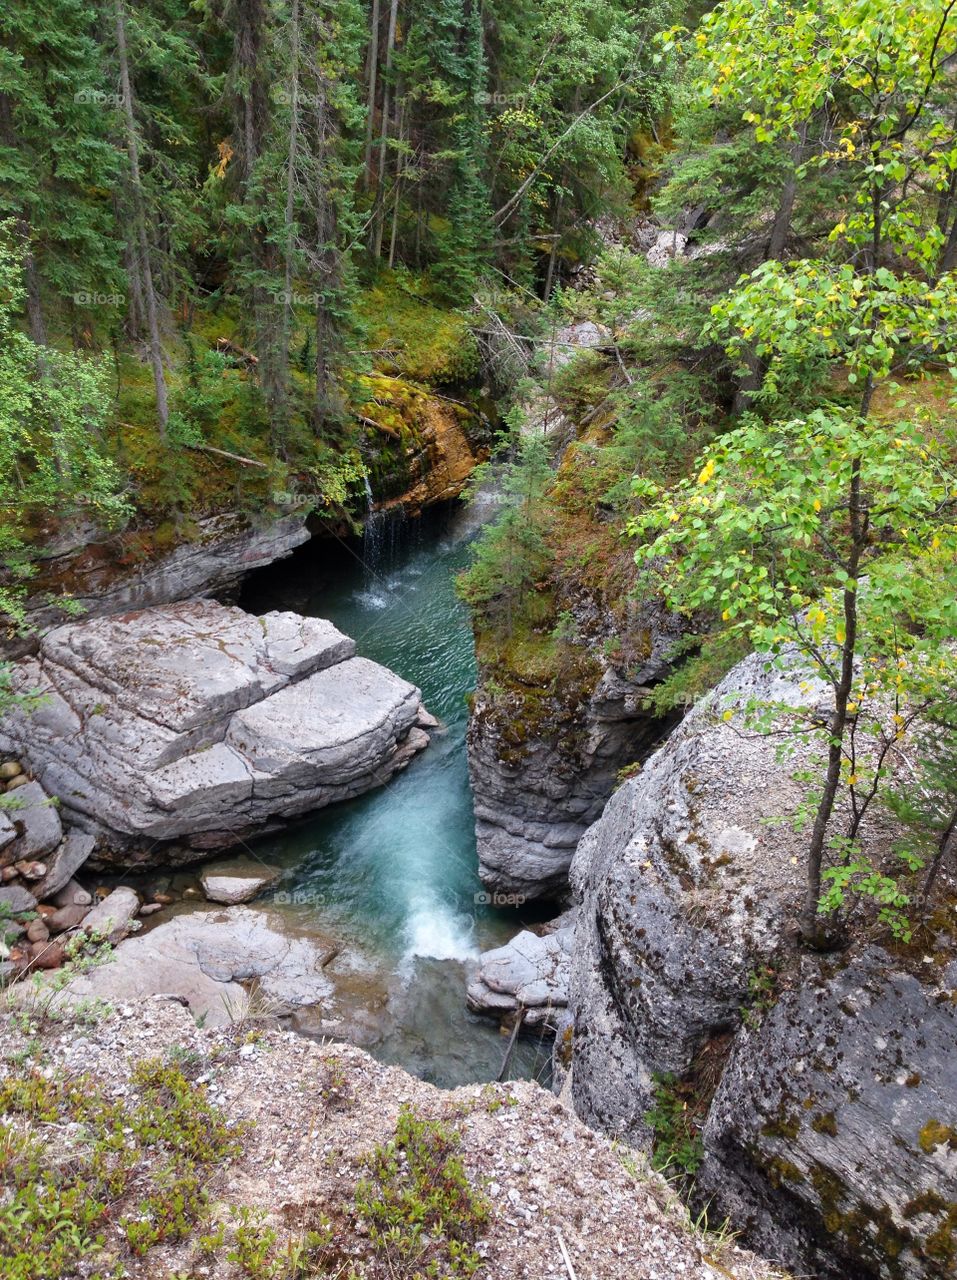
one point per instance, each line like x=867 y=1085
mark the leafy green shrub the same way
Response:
x=677 y=1146
x=424 y=1217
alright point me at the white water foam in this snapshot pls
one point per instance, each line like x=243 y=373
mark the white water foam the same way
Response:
x=372 y=599
x=434 y=931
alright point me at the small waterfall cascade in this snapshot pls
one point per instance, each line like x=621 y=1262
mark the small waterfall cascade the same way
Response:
x=373 y=531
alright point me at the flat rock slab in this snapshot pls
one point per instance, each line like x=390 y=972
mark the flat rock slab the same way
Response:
x=237 y=880
x=197 y=724
x=530 y=972
x=64 y=863
x=204 y=956
x=36 y=821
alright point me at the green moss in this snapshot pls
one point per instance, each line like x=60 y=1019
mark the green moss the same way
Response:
x=782 y=1126
x=824 y=1122
x=413 y=335
x=934 y=1134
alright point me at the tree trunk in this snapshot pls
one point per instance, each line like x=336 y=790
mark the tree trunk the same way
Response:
x=384 y=135
x=372 y=73
x=777 y=243
x=278 y=418
x=810 y=923
x=400 y=166
x=139 y=219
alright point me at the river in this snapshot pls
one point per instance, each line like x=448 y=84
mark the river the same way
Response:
x=392 y=875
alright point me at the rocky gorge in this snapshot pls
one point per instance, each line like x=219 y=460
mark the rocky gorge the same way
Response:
x=823 y=1086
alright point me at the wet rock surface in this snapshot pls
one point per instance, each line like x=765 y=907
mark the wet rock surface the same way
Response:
x=200 y=724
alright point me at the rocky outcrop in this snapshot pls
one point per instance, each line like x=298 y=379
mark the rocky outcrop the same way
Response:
x=308 y=1116
x=440 y=462
x=685 y=888
x=124 y=573
x=203 y=958
x=832 y=1138
x=529 y=975
x=827 y=1082
x=170 y=732
x=542 y=764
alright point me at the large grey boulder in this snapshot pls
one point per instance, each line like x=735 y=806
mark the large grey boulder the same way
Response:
x=685 y=890
x=832 y=1139
x=200 y=724
x=530 y=973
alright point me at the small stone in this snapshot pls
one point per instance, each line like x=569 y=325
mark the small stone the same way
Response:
x=150 y=908
x=20 y=780
x=72 y=895
x=67 y=918
x=47 y=955
x=9 y=770
x=238 y=880
x=37 y=931
x=164 y=899
x=31 y=870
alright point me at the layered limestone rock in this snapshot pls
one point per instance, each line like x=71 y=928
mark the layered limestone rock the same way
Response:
x=539 y=786
x=109 y=577
x=198 y=724
x=529 y=975
x=832 y=1134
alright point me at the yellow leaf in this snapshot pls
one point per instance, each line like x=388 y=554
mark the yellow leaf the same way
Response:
x=817 y=504
x=707 y=471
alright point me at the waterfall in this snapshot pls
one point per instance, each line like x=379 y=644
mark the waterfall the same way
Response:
x=372 y=531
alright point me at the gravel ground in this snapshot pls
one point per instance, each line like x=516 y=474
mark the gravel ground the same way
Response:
x=316 y=1109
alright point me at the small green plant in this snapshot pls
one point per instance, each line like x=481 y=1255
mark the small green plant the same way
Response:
x=137 y=1177
x=676 y=1147
x=762 y=995
x=424 y=1217
x=258 y=1254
